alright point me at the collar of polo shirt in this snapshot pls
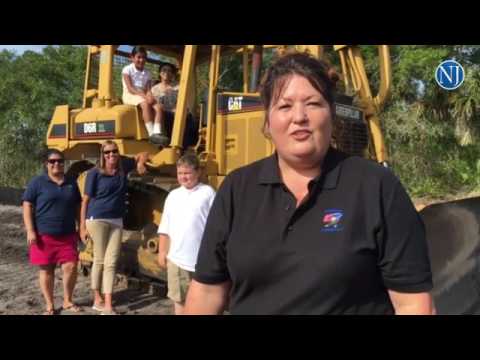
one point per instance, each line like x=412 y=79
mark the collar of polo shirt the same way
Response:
x=47 y=178
x=328 y=180
x=136 y=70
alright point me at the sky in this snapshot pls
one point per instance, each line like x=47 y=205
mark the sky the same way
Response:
x=19 y=49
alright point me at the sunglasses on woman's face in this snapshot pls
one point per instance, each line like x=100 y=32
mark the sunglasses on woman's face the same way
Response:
x=107 y=152
x=53 y=161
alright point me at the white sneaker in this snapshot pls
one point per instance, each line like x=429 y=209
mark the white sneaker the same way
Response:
x=98 y=308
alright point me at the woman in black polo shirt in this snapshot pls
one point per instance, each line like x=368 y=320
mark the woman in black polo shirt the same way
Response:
x=103 y=208
x=50 y=207
x=310 y=230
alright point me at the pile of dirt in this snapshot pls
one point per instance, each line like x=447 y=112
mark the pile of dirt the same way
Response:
x=422 y=202
x=11 y=196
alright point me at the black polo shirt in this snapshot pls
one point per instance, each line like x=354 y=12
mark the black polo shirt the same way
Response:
x=357 y=235
x=55 y=206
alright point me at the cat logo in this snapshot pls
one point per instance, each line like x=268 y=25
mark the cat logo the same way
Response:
x=235 y=103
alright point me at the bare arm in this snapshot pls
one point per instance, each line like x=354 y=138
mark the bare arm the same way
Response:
x=412 y=304
x=203 y=299
x=131 y=88
x=149 y=88
x=78 y=218
x=29 y=224
x=141 y=160
x=163 y=244
x=83 y=218
x=148 y=93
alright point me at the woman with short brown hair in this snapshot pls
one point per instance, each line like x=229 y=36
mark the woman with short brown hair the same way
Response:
x=310 y=230
x=50 y=208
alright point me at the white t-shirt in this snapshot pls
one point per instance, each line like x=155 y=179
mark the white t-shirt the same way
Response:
x=183 y=220
x=138 y=78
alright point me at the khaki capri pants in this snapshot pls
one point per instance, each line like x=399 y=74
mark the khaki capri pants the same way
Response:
x=107 y=242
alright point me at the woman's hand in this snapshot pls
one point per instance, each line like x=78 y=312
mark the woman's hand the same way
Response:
x=150 y=99
x=141 y=168
x=31 y=237
x=84 y=234
x=141 y=160
x=29 y=223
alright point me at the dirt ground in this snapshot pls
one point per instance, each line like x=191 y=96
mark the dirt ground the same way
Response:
x=20 y=293
x=19 y=290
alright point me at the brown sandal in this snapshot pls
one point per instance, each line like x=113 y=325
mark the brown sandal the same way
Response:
x=49 y=312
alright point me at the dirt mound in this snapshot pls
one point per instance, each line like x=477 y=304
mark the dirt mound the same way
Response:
x=422 y=202
x=12 y=235
x=11 y=196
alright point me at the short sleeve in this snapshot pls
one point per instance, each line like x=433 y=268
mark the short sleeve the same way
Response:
x=211 y=267
x=211 y=199
x=149 y=75
x=163 y=228
x=126 y=70
x=128 y=164
x=31 y=192
x=91 y=183
x=403 y=250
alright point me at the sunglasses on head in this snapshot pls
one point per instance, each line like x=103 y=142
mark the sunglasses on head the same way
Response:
x=53 y=161
x=106 y=152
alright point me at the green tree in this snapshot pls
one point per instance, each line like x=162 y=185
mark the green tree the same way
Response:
x=431 y=133
x=32 y=85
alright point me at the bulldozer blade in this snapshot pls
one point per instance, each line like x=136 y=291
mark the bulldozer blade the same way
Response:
x=453 y=236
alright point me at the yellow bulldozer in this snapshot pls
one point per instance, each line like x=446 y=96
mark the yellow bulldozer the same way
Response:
x=222 y=126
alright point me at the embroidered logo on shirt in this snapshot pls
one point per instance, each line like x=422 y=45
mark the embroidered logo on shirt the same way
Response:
x=332 y=220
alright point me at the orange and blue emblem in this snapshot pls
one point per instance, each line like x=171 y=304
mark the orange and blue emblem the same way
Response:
x=332 y=220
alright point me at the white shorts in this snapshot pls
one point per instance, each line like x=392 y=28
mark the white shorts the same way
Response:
x=130 y=99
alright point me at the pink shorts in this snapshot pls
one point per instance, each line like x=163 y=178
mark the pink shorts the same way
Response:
x=53 y=250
